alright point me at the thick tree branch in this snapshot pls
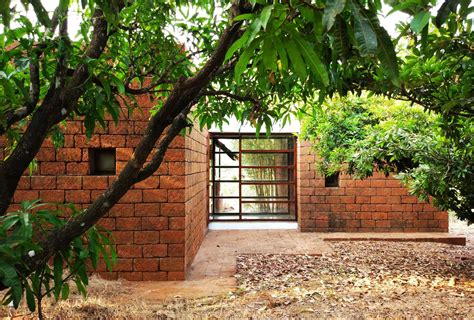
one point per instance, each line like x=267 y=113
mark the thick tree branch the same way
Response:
x=179 y=123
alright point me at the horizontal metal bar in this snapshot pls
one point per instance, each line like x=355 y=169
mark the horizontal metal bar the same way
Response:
x=291 y=166
x=268 y=151
x=269 y=182
x=268 y=201
x=249 y=197
x=255 y=181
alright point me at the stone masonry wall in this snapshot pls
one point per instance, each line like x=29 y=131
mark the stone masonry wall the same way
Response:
x=148 y=223
x=377 y=204
x=196 y=192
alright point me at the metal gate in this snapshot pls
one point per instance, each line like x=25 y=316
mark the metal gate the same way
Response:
x=253 y=178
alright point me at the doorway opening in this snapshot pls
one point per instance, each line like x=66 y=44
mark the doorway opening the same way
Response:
x=252 y=179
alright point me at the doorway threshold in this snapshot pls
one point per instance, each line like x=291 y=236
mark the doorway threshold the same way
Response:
x=253 y=225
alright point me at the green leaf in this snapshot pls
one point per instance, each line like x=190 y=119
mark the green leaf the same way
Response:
x=282 y=54
x=313 y=60
x=58 y=275
x=387 y=56
x=296 y=59
x=265 y=16
x=420 y=21
x=244 y=59
x=332 y=9
x=245 y=16
x=80 y=287
x=364 y=34
x=30 y=298
x=65 y=291
x=269 y=53
x=239 y=43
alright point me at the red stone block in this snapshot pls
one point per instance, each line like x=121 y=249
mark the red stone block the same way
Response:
x=367 y=223
x=425 y=215
x=129 y=223
x=77 y=168
x=123 y=154
x=172 y=264
x=442 y=215
x=69 y=182
x=52 y=168
x=365 y=215
x=362 y=199
x=122 y=210
x=383 y=191
x=152 y=182
x=145 y=264
x=107 y=223
x=146 y=237
x=46 y=154
x=122 y=237
x=112 y=141
x=155 y=223
x=42 y=182
x=95 y=182
x=169 y=236
x=69 y=154
x=177 y=223
x=55 y=196
x=155 y=250
x=172 y=209
x=178 y=142
x=171 y=182
x=81 y=141
x=25 y=195
x=176 y=276
x=379 y=215
x=147 y=209
x=409 y=199
x=129 y=251
x=176 y=250
x=382 y=223
x=123 y=264
x=378 y=199
x=376 y=183
x=176 y=195
x=173 y=155
x=78 y=196
x=177 y=168
x=155 y=195
x=155 y=276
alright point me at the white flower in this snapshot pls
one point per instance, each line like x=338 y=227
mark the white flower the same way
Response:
x=31 y=253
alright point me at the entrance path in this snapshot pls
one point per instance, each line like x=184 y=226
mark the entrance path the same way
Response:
x=216 y=258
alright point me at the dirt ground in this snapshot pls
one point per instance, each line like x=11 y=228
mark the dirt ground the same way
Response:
x=356 y=280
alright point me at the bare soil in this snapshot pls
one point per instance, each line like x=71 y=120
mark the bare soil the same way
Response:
x=357 y=280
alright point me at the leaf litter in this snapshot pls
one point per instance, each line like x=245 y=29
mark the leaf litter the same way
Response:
x=367 y=279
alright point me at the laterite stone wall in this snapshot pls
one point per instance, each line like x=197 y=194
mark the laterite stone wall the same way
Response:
x=155 y=218
x=377 y=204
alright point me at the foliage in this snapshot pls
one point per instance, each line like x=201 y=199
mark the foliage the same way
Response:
x=362 y=134
x=18 y=231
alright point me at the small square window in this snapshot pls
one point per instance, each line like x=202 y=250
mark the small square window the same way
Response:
x=102 y=162
x=332 y=181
